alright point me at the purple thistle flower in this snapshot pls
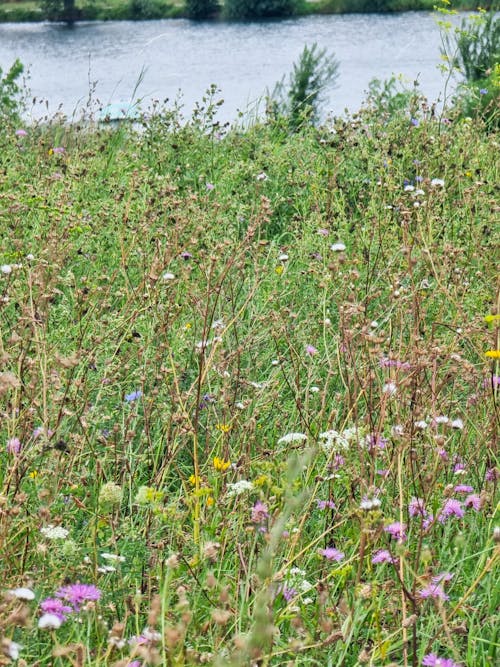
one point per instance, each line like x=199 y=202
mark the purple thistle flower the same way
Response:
x=451 y=507
x=56 y=607
x=311 y=350
x=396 y=530
x=210 y=186
x=463 y=488
x=434 y=591
x=383 y=556
x=20 y=133
x=330 y=553
x=432 y=660
x=323 y=504
x=133 y=396
x=492 y=475
x=260 y=512
x=473 y=501
x=417 y=507
x=14 y=446
x=58 y=150
x=134 y=663
x=442 y=576
x=427 y=522
x=186 y=255
x=287 y=592
x=77 y=594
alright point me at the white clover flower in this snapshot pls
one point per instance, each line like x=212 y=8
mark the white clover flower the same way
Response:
x=168 y=276
x=49 y=622
x=457 y=423
x=314 y=389
x=338 y=247
x=6 y=268
x=437 y=183
x=30 y=257
x=52 y=532
x=422 y=425
x=237 y=488
x=292 y=437
x=409 y=188
x=283 y=257
x=22 y=593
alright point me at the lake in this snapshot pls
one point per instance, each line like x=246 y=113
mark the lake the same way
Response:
x=104 y=60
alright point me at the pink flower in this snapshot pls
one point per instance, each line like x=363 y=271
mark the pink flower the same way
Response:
x=396 y=530
x=452 y=507
x=311 y=350
x=259 y=512
x=383 y=556
x=58 y=150
x=417 y=507
x=433 y=591
x=443 y=576
x=330 y=553
x=473 y=501
x=323 y=504
x=56 y=607
x=14 y=446
x=20 y=133
x=77 y=594
x=432 y=660
x=463 y=488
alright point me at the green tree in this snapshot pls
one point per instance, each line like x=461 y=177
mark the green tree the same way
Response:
x=251 y=9
x=201 y=9
x=60 y=10
x=300 y=100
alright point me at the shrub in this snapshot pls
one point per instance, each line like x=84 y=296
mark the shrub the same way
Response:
x=10 y=90
x=250 y=9
x=475 y=46
x=201 y=9
x=301 y=100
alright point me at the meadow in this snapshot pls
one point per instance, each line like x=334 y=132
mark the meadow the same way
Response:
x=249 y=391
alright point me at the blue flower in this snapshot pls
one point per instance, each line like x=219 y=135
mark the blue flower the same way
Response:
x=483 y=91
x=133 y=396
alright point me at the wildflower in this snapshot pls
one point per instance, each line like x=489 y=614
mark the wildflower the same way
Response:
x=292 y=437
x=147 y=495
x=220 y=464
x=483 y=91
x=77 y=594
x=237 y=488
x=463 y=488
x=332 y=440
x=389 y=388
x=311 y=350
x=259 y=512
x=225 y=428
x=432 y=660
x=441 y=419
x=6 y=269
x=22 y=593
x=113 y=557
x=409 y=188
x=323 y=232
x=338 y=247
x=11 y=648
x=422 y=425
x=492 y=474
x=437 y=182
x=209 y=186
x=21 y=133
x=323 y=504
x=261 y=177
x=417 y=507
x=493 y=354
x=110 y=495
x=52 y=532
x=193 y=480
x=278 y=270
x=49 y=622
x=451 y=507
x=330 y=553
x=489 y=319
x=286 y=591
x=369 y=504
x=133 y=396
x=473 y=501
x=58 y=150
x=56 y=607
x=396 y=530
x=457 y=423
x=283 y=257
x=415 y=122
x=13 y=446
x=168 y=276
x=383 y=556
x=434 y=591
x=442 y=576
x=186 y=255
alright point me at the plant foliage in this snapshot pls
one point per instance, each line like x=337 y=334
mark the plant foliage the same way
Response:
x=251 y=9
x=10 y=90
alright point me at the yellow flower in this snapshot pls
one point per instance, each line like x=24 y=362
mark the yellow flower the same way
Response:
x=225 y=428
x=210 y=501
x=220 y=464
x=491 y=318
x=493 y=354
x=194 y=479
x=278 y=270
x=188 y=325
x=33 y=474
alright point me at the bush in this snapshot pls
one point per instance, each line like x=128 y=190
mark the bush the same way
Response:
x=251 y=9
x=201 y=9
x=300 y=101
x=475 y=46
x=10 y=91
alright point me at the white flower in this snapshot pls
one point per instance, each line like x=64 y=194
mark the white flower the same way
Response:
x=237 y=488
x=218 y=324
x=307 y=601
x=262 y=176
x=305 y=586
x=437 y=182
x=105 y=569
x=409 y=188
x=275 y=362
x=168 y=276
x=337 y=247
x=314 y=389
x=457 y=423
x=6 y=268
x=114 y=557
x=12 y=648
x=374 y=324
x=239 y=405
x=370 y=504
x=390 y=388
x=52 y=532
x=397 y=430
x=296 y=571
x=283 y=257
x=49 y=622
x=292 y=437
x=441 y=419
x=419 y=192
x=30 y=257
x=421 y=425
x=22 y=593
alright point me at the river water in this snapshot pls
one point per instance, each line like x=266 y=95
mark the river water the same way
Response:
x=105 y=60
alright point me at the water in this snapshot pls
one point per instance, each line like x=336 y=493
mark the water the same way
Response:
x=243 y=59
